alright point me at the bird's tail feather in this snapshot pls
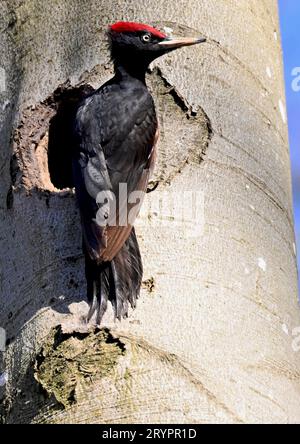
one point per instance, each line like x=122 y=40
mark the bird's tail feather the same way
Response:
x=118 y=281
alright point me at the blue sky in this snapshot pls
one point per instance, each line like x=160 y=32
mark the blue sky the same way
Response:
x=290 y=35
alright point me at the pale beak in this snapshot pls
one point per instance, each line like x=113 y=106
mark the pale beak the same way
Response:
x=178 y=42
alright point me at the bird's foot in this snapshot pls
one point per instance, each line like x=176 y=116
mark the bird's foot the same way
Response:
x=152 y=187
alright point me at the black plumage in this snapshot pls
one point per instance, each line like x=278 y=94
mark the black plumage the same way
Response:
x=115 y=136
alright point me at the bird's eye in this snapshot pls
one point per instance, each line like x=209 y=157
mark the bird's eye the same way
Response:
x=146 y=38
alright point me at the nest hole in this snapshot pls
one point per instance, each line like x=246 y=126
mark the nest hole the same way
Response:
x=61 y=134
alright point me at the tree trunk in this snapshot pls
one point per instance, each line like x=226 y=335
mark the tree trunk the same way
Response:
x=214 y=336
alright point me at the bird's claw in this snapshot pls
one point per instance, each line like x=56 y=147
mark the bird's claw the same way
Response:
x=153 y=188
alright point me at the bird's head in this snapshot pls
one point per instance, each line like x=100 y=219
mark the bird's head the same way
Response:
x=136 y=44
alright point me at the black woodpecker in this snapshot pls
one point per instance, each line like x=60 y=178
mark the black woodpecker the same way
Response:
x=116 y=131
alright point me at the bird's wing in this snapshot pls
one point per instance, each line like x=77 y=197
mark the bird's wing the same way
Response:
x=117 y=235
x=106 y=157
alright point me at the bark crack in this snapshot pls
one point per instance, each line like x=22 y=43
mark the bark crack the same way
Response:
x=184 y=369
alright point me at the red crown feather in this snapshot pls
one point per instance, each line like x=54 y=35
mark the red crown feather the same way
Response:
x=135 y=27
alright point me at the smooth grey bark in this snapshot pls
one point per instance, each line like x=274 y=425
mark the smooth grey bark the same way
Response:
x=214 y=337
